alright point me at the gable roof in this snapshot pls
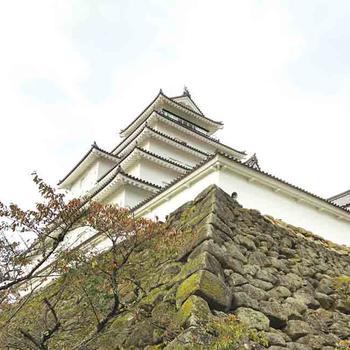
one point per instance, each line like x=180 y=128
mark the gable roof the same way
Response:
x=161 y=96
x=94 y=153
x=151 y=154
x=118 y=175
x=186 y=99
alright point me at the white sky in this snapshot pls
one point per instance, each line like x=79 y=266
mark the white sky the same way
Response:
x=277 y=73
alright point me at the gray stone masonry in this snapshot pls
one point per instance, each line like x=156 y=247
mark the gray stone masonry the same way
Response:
x=274 y=277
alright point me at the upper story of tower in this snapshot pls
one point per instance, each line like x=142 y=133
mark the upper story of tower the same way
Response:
x=180 y=108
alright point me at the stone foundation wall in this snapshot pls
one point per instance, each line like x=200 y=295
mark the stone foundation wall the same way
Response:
x=275 y=278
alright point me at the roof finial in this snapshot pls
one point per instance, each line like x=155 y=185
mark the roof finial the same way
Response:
x=186 y=92
x=253 y=162
x=161 y=91
x=94 y=144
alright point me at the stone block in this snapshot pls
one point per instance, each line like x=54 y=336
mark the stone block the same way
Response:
x=297 y=329
x=208 y=286
x=194 y=311
x=253 y=319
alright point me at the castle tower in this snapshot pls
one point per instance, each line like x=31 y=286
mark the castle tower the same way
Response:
x=167 y=140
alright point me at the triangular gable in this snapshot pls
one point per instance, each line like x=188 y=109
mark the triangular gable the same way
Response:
x=186 y=100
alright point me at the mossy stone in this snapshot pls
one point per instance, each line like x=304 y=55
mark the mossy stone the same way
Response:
x=194 y=311
x=203 y=261
x=253 y=319
x=208 y=286
x=154 y=296
x=122 y=321
x=163 y=314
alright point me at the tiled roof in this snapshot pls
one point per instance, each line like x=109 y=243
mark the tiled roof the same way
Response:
x=176 y=103
x=120 y=171
x=339 y=195
x=146 y=152
x=244 y=165
x=200 y=134
x=186 y=93
x=154 y=100
x=209 y=138
x=182 y=143
x=286 y=183
x=189 y=96
x=163 y=158
x=192 y=111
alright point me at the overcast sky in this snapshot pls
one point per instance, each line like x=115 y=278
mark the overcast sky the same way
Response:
x=277 y=73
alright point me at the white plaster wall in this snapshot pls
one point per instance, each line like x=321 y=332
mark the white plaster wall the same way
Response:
x=150 y=171
x=145 y=144
x=155 y=173
x=103 y=166
x=168 y=151
x=134 y=170
x=117 y=197
x=89 y=177
x=177 y=198
x=257 y=196
x=85 y=182
x=281 y=206
x=134 y=195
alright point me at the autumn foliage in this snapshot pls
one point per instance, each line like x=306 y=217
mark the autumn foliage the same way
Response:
x=34 y=252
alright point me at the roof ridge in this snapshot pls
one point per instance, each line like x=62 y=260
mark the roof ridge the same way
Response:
x=145 y=109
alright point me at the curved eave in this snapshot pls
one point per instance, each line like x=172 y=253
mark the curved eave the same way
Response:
x=158 y=116
x=212 y=124
x=222 y=147
x=139 y=153
x=312 y=197
x=254 y=174
x=147 y=131
x=121 y=179
x=88 y=159
x=154 y=156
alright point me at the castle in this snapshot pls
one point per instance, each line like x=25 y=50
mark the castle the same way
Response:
x=170 y=153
